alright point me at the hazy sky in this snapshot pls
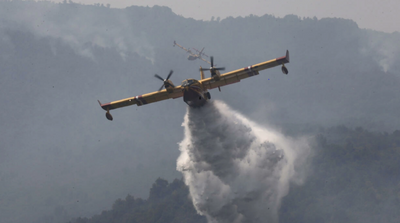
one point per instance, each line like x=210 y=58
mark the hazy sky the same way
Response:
x=379 y=15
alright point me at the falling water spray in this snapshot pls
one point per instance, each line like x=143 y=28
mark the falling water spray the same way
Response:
x=236 y=170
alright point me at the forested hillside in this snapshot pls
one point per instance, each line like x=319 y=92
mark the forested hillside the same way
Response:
x=354 y=177
x=166 y=203
x=57 y=60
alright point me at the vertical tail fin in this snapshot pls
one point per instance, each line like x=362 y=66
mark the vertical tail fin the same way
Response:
x=201 y=73
x=201 y=52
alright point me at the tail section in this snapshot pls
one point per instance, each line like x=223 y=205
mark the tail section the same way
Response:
x=201 y=52
x=201 y=73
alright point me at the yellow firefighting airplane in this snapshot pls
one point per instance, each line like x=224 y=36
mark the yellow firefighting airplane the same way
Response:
x=193 y=56
x=195 y=92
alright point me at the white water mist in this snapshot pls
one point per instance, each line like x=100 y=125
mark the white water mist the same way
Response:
x=236 y=170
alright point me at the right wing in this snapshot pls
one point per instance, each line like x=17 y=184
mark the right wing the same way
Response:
x=144 y=99
x=237 y=75
x=205 y=60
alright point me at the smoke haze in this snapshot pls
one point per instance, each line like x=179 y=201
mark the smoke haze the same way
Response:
x=79 y=27
x=236 y=170
x=56 y=60
x=384 y=49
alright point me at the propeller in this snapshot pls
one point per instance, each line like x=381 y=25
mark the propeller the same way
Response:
x=166 y=82
x=212 y=68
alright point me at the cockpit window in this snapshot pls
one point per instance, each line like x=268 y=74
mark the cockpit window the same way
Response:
x=187 y=82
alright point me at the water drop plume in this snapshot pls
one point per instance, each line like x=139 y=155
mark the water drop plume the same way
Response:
x=236 y=170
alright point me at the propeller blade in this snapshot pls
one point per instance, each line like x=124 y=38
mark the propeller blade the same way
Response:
x=157 y=76
x=169 y=75
x=217 y=68
x=161 y=87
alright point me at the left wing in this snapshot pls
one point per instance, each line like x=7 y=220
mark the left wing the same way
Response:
x=187 y=50
x=237 y=75
x=144 y=99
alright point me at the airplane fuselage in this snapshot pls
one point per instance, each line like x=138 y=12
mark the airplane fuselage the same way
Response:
x=193 y=93
x=193 y=57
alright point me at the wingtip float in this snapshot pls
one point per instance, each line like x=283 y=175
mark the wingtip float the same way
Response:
x=195 y=92
x=106 y=107
x=284 y=60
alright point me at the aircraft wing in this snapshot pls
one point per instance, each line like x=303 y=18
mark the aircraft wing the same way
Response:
x=237 y=75
x=205 y=60
x=144 y=99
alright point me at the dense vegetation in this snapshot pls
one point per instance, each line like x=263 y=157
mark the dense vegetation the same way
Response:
x=167 y=203
x=354 y=176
